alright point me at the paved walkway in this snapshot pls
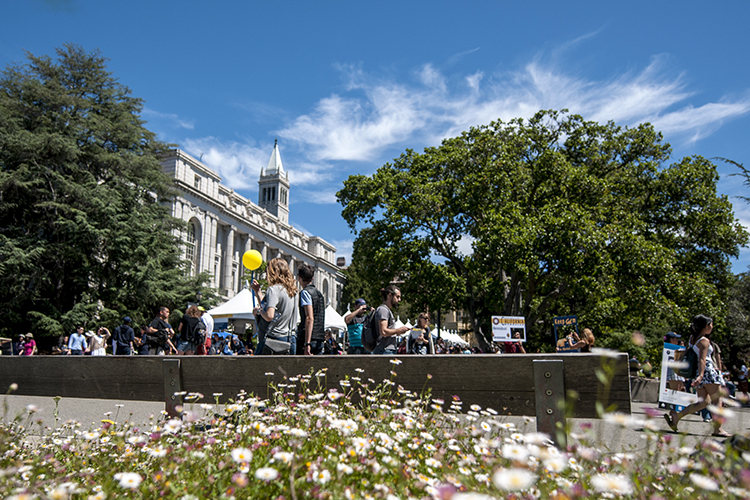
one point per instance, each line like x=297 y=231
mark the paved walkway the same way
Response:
x=90 y=412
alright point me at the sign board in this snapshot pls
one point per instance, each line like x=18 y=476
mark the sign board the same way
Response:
x=672 y=388
x=504 y=327
x=566 y=324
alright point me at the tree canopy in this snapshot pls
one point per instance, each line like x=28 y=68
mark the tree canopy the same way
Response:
x=564 y=216
x=85 y=225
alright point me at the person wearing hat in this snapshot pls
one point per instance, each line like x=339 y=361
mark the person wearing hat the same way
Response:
x=77 y=342
x=674 y=381
x=18 y=345
x=354 y=323
x=29 y=347
x=122 y=338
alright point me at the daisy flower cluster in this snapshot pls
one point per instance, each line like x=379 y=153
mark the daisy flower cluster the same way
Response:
x=356 y=439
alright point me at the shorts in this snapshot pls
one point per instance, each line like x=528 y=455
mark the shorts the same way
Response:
x=184 y=346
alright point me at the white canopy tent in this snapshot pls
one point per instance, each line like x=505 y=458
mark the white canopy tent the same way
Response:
x=449 y=336
x=238 y=307
x=334 y=319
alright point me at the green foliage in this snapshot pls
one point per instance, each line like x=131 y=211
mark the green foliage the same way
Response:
x=85 y=227
x=564 y=216
x=737 y=349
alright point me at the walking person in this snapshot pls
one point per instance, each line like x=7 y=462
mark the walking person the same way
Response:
x=190 y=336
x=279 y=308
x=311 y=331
x=122 y=338
x=708 y=381
x=387 y=334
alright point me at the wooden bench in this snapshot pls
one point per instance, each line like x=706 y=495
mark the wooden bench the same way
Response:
x=512 y=384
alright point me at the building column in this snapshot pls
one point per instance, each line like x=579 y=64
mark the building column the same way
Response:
x=290 y=263
x=229 y=260
x=209 y=246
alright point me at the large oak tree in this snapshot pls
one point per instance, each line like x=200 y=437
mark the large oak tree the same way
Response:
x=564 y=216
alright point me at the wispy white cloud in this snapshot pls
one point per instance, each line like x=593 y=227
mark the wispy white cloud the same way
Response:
x=457 y=57
x=238 y=164
x=325 y=197
x=170 y=120
x=375 y=114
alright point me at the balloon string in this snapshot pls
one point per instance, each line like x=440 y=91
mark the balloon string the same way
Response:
x=252 y=278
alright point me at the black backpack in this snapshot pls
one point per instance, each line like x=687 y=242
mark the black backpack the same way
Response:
x=370 y=332
x=197 y=334
x=691 y=359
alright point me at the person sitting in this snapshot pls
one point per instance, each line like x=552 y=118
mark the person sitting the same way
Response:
x=217 y=345
x=238 y=347
x=330 y=346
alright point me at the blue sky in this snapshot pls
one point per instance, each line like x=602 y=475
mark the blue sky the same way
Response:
x=347 y=86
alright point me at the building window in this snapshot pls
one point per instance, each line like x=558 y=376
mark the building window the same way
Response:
x=197 y=181
x=190 y=247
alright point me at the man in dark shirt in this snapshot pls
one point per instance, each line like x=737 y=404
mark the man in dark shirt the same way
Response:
x=123 y=337
x=311 y=331
x=162 y=331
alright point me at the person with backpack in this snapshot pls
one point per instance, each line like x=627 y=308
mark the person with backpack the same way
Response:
x=707 y=381
x=354 y=322
x=159 y=333
x=311 y=333
x=123 y=338
x=387 y=341
x=192 y=331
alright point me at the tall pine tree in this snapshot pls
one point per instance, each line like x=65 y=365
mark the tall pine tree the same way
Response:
x=86 y=232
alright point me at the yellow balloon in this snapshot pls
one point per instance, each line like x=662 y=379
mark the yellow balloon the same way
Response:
x=252 y=259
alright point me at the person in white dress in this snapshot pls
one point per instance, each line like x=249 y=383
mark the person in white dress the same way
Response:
x=708 y=382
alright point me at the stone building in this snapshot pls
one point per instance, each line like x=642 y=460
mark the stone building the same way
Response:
x=222 y=225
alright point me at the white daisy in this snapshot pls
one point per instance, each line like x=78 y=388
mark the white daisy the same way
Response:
x=266 y=474
x=513 y=479
x=241 y=455
x=704 y=482
x=129 y=480
x=612 y=483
